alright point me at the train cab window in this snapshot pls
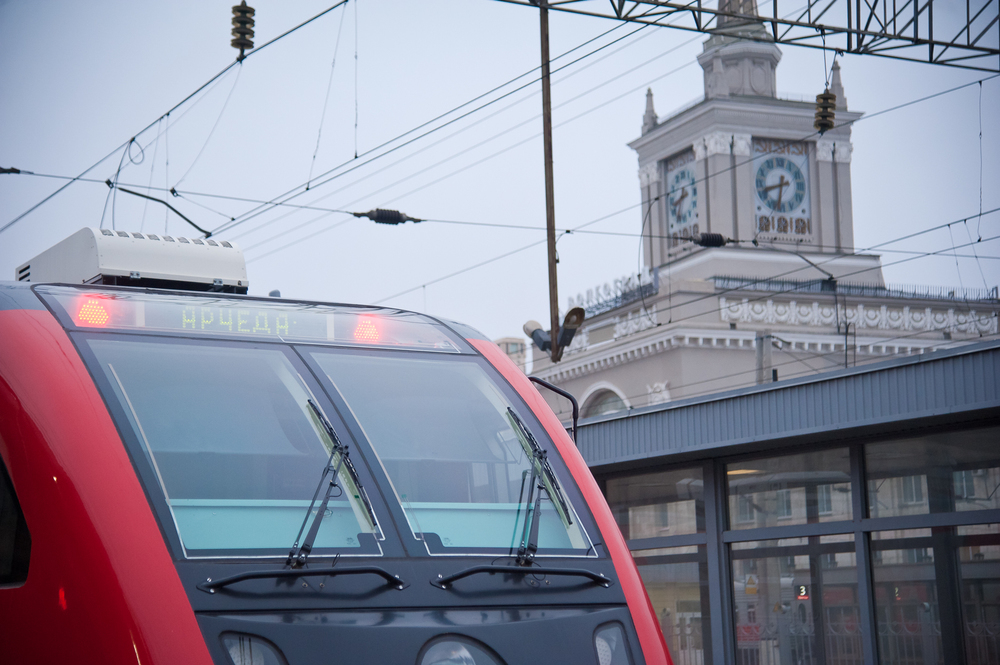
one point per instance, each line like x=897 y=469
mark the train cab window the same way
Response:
x=15 y=541
x=234 y=444
x=459 y=458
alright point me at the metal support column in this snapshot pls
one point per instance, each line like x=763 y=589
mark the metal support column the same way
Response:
x=550 y=195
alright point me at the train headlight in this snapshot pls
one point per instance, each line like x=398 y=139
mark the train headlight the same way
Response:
x=451 y=651
x=245 y=649
x=609 y=642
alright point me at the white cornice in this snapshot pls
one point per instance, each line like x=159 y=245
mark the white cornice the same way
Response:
x=724 y=255
x=760 y=116
x=661 y=341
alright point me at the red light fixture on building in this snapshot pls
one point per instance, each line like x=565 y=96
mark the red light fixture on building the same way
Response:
x=367 y=331
x=93 y=313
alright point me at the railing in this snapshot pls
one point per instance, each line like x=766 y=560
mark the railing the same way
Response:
x=618 y=293
x=951 y=294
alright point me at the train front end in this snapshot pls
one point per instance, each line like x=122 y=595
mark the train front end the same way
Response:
x=204 y=477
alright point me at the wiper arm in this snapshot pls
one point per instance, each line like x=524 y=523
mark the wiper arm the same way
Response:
x=210 y=586
x=297 y=555
x=529 y=539
x=446 y=582
x=540 y=462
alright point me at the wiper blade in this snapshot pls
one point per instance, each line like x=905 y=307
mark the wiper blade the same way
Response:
x=539 y=467
x=446 y=582
x=210 y=585
x=297 y=555
x=540 y=460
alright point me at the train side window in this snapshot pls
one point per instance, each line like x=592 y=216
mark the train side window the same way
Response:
x=15 y=542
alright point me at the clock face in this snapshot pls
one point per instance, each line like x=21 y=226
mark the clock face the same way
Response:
x=681 y=196
x=780 y=185
x=782 y=204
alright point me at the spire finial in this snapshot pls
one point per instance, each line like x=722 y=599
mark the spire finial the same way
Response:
x=649 y=117
x=836 y=87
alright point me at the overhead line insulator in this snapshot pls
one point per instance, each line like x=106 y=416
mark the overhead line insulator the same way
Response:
x=826 y=104
x=383 y=216
x=242 y=28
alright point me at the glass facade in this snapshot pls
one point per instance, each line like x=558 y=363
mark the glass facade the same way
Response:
x=877 y=551
x=676 y=580
x=952 y=471
x=795 y=600
x=654 y=505
x=793 y=489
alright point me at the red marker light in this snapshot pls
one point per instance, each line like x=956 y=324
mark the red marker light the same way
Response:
x=62 y=598
x=366 y=330
x=93 y=313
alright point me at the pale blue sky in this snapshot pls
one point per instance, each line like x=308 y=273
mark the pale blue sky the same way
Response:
x=77 y=79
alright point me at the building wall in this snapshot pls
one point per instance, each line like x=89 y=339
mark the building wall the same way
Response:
x=847 y=518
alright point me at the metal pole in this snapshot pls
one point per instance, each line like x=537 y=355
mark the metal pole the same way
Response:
x=550 y=203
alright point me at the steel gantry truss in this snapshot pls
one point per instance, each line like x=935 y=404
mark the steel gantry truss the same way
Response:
x=949 y=32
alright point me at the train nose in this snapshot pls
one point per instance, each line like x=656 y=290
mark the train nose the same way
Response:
x=485 y=636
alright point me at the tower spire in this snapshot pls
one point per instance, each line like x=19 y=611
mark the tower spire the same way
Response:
x=837 y=88
x=649 y=117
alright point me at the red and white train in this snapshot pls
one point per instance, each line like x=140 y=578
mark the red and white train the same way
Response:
x=192 y=475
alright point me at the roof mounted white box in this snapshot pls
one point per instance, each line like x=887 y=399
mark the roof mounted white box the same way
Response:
x=104 y=256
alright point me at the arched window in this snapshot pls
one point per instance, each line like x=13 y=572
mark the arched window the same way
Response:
x=601 y=402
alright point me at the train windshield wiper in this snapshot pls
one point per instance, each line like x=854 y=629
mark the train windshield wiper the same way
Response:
x=339 y=460
x=540 y=468
x=447 y=582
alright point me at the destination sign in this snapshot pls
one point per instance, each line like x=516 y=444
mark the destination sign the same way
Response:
x=243 y=317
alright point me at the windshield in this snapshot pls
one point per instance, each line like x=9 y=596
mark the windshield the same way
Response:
x=460 y=470
x=234 y=445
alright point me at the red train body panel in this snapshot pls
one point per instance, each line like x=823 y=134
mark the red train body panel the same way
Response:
x=101 y=586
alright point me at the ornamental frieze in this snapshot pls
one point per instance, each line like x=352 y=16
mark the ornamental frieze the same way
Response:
x=879 y=317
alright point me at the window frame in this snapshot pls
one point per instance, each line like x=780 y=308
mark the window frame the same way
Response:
x=721 y=639
x=149 y=479
x=414 y=547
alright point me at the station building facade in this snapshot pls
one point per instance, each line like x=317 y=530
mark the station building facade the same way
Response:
x=842 y=518
x=792 y=295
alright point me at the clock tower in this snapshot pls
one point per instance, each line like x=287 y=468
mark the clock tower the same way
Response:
x=790 y=297
x=743 y=162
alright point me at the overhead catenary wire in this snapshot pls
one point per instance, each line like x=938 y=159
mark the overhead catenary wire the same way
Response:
x=990 y=257
x=332 y=174
x=152 y=170
x=326 y=99
x=466 y=150
x=491 y=260
x=297 y=191
x=239 y=70
x=716 y=294
x=256 y=211
x=697 y=181
x=875 y=114
x=167 y=114
x=494 y=225
x=763 y=279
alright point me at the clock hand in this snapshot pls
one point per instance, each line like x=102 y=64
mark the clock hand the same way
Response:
x=781 y=188
x=680 y=199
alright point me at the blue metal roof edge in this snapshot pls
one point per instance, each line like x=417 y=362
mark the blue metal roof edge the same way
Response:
x=870 y=396
x=916 y=358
